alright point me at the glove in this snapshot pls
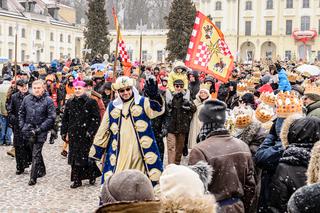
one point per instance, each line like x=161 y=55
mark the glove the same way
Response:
x=151 y=88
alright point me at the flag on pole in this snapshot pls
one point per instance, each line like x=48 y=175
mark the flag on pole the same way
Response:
x=208 y=51
x=125 y=59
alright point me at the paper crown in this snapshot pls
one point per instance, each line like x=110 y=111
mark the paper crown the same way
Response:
x=264 y=113
x=241 y=87
x=99 y=74
x=268 y=98
x=205 y=86
x=292 y=77
x=312 y=88
x=250 y=83
x=122 y=82
x=50 y=78
x=243 y=117
x=288 y=104
x=256 y=74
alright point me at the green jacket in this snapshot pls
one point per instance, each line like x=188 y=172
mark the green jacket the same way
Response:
x=314 y=109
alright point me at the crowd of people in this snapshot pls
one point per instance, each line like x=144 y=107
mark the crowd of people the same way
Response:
x=251 y=143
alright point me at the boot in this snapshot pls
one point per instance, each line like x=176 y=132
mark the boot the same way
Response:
x=32 y=182
x=11 y=152
x=19 y=172
x=76 y=184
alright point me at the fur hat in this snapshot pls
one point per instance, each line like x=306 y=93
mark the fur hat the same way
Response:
x=213 y=111
x=204 y=170
x=128 y=185
x=305 y=200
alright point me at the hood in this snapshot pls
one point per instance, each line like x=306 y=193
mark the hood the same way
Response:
x=179 y=64
x=206 y=204
x=196 y=76
x=285 y=128
x=313 y=172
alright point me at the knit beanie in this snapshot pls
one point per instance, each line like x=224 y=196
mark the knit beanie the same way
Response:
x=180 y=181
x=213 y=111
x=129 y=185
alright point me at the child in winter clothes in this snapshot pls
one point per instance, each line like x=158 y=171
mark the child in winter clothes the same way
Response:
x=179 y=72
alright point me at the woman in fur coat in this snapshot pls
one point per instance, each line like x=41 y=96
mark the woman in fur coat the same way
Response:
x=298 y=139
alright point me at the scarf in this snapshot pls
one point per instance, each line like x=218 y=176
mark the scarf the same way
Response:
x=211 y=129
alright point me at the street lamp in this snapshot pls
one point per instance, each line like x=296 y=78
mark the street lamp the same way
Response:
x=141 y=28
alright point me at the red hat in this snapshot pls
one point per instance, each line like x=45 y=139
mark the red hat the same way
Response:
x=265 y=88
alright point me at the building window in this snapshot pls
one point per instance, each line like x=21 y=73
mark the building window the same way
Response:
x=218 y=24
x=305 y=23
x=248 y=5
x=289 y=4
x=51 y=37
x=61 y=38
x=130 y=53
x=37 y=34
x=10 y=31
x=23 y=33
x=318 y=55
x=269 y=4
x=268 y=27
x=218 y=5
x=248 y=28
x=10 y=54
x=51 y=56
x=69 y=38
x=144 y=55
x=160 y=55
x=287 y=54
x=305 y=4
x=23 y=55
x=288 y=27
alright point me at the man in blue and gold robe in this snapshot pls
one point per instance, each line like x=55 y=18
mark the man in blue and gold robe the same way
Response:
x=125 y=135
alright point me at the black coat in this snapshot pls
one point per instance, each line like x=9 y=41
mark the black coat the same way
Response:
x=80 y=121
x=37 y=113
x=289 y=176
x=13 y=116
x=179 y=114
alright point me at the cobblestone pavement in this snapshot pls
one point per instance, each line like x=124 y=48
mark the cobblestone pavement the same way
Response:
x=51 y=194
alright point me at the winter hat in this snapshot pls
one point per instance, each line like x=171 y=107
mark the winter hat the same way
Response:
x=312 y=91
x=107 y=86
x=178 y=82
x=304 y=130
x=205 y=88
x=22 y=82
x=180 y=181
x=179 y=64
x=248 y=99
x=265 y=88
x=77 y=83
x=305 y=200
x=128 y=185
x=213 y=111
x=122 y=82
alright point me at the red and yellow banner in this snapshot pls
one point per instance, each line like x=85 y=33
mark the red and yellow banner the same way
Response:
x=208 y=51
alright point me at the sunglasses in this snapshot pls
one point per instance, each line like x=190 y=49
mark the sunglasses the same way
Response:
x=178 y=86
x=123 y=90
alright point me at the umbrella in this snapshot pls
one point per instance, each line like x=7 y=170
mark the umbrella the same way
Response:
x=98 y=66
x=3 y=60
x=312 y=70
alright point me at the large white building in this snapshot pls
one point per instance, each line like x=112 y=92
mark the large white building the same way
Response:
x=45 y=31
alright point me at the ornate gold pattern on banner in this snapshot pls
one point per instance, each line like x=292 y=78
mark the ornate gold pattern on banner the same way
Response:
x=136 y=110
x=154 y=174
x=141 y=126
x=114 y=145
x=150 y=158
x=146 y=142
x=115 y=113
x=114 y=128
x=113 y=159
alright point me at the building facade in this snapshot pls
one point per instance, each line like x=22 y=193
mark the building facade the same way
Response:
x=266 y=26
x=43 y=32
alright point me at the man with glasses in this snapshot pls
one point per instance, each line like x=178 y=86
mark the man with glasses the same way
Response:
x=125 y=134
x=179 y=114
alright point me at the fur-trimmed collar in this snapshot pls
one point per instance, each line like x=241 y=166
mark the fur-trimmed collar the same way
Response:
x=206 y=204
x=313 y=172
x=248 y=134
x=285 y=128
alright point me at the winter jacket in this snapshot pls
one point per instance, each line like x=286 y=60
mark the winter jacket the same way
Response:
x=233 y=182
x=80 y=122
x=13 y=116
x=289 y=176
x=98 y=98
x=179 y=113
x=194 y=87
x=314 y=109
x=284 y=84
x=37 y=113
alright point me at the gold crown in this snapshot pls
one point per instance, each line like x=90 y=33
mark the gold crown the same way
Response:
x=243 y=117
x=292 y=77
x=205 y=86
x=268 y=98
x=264 y=113
x=288 y=104
x=312 y=88
x=256 y=74
x=250 y=83
x=241 y=87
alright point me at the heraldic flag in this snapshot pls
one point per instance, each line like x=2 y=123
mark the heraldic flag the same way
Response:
x=125 y=59
x=208 y=51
